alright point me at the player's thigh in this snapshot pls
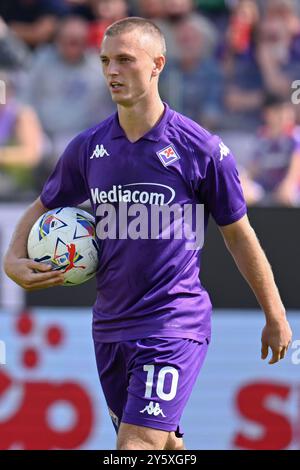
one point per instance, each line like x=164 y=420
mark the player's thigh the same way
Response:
x=174 y=442
x=132 y=437
x=162 y=374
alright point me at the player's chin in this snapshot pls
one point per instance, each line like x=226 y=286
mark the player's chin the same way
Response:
x=122 y=100
x=116 y=99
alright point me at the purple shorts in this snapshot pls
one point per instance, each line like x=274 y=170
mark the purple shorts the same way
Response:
x=148 y=382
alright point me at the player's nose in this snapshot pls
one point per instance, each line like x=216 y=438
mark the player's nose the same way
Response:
x=112 y=69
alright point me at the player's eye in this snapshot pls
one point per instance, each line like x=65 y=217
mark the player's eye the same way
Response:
x=124 y=60
x=104 y=60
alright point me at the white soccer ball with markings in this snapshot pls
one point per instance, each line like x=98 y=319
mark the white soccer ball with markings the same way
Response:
x=65 y=239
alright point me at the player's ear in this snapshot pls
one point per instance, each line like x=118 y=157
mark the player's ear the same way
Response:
x=159 y=63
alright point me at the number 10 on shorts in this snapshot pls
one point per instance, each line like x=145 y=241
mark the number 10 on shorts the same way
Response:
x=150 y=369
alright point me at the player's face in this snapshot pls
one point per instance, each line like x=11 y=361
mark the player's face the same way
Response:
x=129 y=67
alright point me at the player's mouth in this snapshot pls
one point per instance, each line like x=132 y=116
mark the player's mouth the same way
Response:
x=115 y=86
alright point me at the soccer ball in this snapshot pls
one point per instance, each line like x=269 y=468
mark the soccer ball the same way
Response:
x=65 y=239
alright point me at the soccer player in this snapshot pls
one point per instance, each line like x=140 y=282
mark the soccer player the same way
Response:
x=151 y=318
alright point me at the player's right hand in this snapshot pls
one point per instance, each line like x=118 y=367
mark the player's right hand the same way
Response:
x=32 y=275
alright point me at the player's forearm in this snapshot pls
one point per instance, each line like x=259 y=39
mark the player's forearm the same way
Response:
x=257 y=271
x=18 y=244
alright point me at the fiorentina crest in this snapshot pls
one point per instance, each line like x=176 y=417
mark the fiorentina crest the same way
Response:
x=168 y=155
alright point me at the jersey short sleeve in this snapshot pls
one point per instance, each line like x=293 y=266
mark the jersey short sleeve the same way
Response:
x=66 y=185
x=220 y=189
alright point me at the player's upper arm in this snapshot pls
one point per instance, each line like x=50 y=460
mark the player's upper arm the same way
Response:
x=220 y=189
x=66 y=186
x=38 y=203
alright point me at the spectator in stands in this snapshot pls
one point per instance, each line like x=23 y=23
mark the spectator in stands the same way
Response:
x=33 y=21
x=105 y=13
x=66 y=87
x=21 y=143
x=151 y=9
x=243 y=85
x=279 y=46
x=243 y=95
x=176 y=10
x=13 y=52
x=274 y=171
x=192 y=84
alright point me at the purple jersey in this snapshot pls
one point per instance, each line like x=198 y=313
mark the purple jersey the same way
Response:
x=149 y=287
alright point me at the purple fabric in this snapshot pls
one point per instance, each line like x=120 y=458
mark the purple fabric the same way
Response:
x=148 y=288
x=133 y=396
x=8 y=117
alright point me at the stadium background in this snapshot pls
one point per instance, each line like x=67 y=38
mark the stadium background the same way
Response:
x=228 y=62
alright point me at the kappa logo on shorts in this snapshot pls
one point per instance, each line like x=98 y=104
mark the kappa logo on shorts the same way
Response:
x=152 y=409
x=168 y=155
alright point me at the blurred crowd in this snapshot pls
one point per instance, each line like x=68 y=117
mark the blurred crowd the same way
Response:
x=232 y=66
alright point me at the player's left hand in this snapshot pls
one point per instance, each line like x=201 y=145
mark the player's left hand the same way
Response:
x=277 y=336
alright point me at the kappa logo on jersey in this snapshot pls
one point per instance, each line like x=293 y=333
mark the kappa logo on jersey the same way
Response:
x=99 y=152
x=224 y=151
x=152 y=409
x=168 y=155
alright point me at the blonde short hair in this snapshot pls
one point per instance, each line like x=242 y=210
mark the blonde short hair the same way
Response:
x=131 y=23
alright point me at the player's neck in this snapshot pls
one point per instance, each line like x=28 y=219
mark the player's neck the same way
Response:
x=138 y=119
